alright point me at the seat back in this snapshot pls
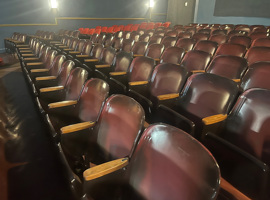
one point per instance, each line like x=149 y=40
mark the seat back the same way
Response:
x=206 y=46
x=185 y=34
x=248 y=124
x=218 y=38
x=257 y=76
x=185 y=43
x=168 y=41
x=57 y=64
x=118 y=127
x=96 y=51
x=139 y=48
x=75 y=82
x=87 y=47
x=127 y=45
x=65 y=72
x=243 y=40
x=257 y=54
x=100 y=38
x=140 y=69
x=172 y=55
x=232 y=67
x=207 y=94
x=154 y=50
x=117 y=43
x=49 y=58
x=122 y=61
x=170 y=164
x=167 y=78
x=144 y=38
x=261 y=42
x=108 y=39
x=93 y=96
x=107 y=55
x=155 y=39
x=44 y=52
x=196 y=60
x=80 y=45
x=231 y=49
x=200 y=36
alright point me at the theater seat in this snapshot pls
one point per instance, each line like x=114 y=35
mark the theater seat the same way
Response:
x=58 y=80
x=85 y=110
x=167 y=80
x=231 y=49
x=70 y=91
x=168 y=41
x=242 y=145
x=257 y=76
x=232 y=67
x=196 y=61
x=106 y=141
x=155 y=39
x=204 y=98
x=172 y=55
x=218 y=38
x=154 y=51
x=243 y=40
x=206 y=46
x=105 y=60
x=257 y=54
x=127 y=45
x=52 y=71
x=139 y=72
x=119 y=66
x=139 y=48
x=261 y=42
x=166 y=164
x=200 y=36
x=185 y=43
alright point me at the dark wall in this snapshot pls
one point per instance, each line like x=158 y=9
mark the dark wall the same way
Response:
x=38 y=12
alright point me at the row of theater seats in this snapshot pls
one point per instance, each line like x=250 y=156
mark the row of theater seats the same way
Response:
x=128 y=27
x=202 y=95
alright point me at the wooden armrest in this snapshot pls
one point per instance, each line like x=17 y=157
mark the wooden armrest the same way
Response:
x=19 y=42
x=117 y=73
x=137 y=55
x=39 y=70
x=50 y=89
x=74 y=52
x=26 y=51
x=157 y=59
x=103 y=169
x=34 y=63
x=214 y=119
x=58 y=44
x=22 y=45
x=197 y=71
x=90 y=60
x=82 y=56
x=45 y=78
x=30 y=59
x=146 y=125
x=102 y=66
x=68 y=49
x=232 y=190
x=61 y=104
x=23 y=48
x=138 y=83
x=62 y=47
x=77 y=127
x=168 y=96
x=30 y=54
x=236 y=80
